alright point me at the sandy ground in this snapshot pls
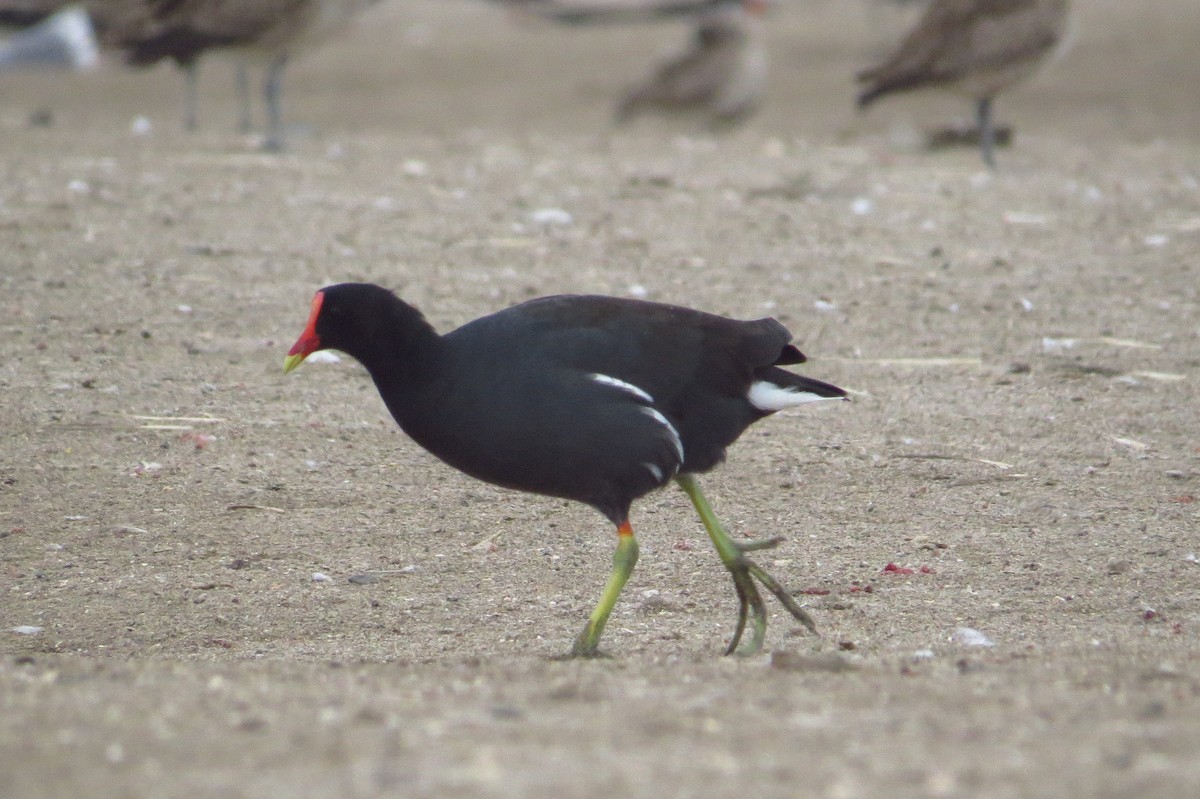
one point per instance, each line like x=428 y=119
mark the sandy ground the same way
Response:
x=1023 y=348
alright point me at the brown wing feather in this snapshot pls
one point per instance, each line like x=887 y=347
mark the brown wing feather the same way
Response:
x=957 y=38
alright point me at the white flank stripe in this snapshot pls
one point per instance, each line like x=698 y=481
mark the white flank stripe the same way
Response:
x=766 y=396
x=654 y=470
x=621 y=384
x=676 y=441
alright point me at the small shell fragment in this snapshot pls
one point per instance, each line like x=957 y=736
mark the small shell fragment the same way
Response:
x=967 y=636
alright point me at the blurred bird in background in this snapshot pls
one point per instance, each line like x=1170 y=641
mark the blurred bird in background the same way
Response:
x=975 y=47
x=264 y=31
x=589 y=12
x=64 y=39
x=722 y=75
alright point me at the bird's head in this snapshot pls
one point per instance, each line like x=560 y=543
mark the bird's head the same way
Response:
x=356 y=318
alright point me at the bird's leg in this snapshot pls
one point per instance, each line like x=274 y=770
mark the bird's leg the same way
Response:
x=745 y=572
x=190 y=74
x=624 y=559
x=272 y=93
x=987 y=134
x=242 y=78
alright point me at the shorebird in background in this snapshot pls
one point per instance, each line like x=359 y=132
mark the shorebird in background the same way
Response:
x=723 y=74
x=586 y=12
x=976 y=47
x=149 y=31
x=116 y=24
x=255 y=30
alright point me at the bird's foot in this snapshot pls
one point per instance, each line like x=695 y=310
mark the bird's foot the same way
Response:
x=745 y=572
x=587 y=645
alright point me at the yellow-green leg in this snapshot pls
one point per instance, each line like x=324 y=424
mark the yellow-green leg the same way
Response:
x=745 y=572
x=624 y=559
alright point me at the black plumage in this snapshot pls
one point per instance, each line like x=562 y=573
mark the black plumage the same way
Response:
x=589 y=398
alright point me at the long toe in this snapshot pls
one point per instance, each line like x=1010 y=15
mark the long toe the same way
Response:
x=749 y=603
x=785 y=598
x=745 y=572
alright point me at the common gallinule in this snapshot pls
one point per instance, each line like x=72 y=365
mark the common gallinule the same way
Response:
x=977 y=47
x=595 y=399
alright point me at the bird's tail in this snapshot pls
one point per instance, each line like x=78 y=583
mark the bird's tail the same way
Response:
x=774 y=389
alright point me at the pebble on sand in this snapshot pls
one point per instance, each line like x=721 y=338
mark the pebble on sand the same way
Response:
x=967 y=636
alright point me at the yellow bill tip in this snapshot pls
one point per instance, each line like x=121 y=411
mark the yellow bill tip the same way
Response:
x=291 y=362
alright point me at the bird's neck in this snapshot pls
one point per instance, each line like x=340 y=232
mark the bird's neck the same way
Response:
x=404 y=363
x=407 y=350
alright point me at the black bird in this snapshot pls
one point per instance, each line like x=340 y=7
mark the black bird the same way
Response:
x=596 y=399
